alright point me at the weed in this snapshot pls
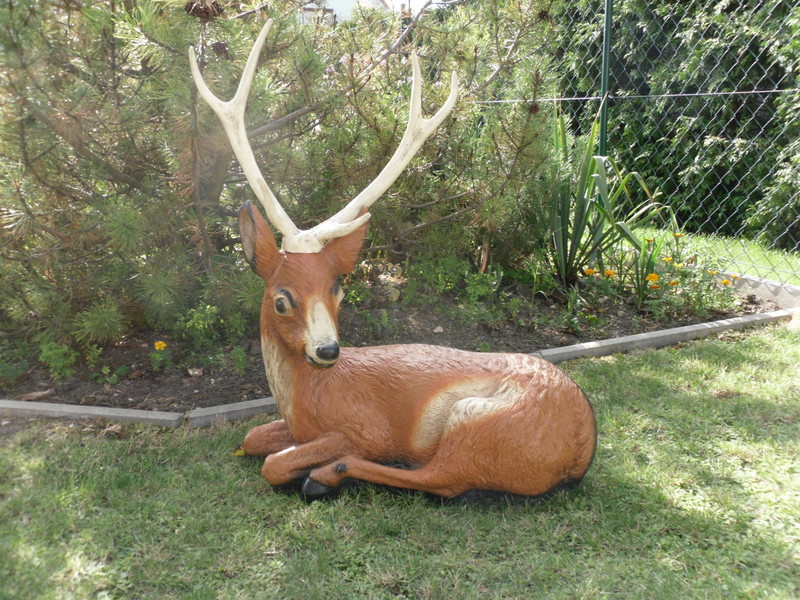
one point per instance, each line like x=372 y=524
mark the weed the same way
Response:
x=106 y=375
x=238 y=358
x=199 y=327
x=92 y=354
x=13 y=363
x=480 y=286
x=428 y=280
x=58 y=358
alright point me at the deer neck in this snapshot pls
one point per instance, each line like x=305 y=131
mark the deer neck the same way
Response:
x=278 y=365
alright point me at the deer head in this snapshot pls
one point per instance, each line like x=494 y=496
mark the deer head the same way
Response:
x=302 y=295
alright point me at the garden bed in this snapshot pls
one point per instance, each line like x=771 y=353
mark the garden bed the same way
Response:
x=210 y=379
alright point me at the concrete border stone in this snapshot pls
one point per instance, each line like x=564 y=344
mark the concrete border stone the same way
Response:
x=202 y=417
x=659 y=339
x=18 y=408
x=784 y=295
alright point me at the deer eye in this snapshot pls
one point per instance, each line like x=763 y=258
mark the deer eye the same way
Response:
x=281 y=306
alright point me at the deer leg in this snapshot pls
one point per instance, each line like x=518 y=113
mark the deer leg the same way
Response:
x=296 y=462
x=268 y=439
x=427 y=478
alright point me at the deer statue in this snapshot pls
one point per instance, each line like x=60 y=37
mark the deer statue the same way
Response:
x=454 y=421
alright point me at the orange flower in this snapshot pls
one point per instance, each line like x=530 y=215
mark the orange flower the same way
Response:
x=589 y=271
x=653 y=277
x=610 y=273
x=673 y=282
x=655 y=286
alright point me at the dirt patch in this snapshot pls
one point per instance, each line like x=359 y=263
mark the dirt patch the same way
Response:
x=535 y=326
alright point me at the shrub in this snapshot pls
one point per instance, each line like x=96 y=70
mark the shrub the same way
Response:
x=58 y=358
x=99 y=324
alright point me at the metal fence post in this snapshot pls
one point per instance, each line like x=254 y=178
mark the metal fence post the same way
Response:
x=604 y=69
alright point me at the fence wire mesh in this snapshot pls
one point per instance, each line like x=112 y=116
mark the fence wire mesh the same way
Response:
x=703 y=101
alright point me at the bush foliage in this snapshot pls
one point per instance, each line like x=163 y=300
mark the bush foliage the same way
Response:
x=742 y=178
x=118 y=190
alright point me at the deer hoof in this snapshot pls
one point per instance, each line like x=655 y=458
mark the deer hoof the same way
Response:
x=314 y=490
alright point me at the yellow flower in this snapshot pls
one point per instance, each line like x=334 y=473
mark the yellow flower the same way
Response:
x=610 y=273
x=713 y=272
x=653 y=277
x=678 y=265
x=734 y=277
x=667 y=259
x=159 y=345
x=677 y=235
x=589 y=271
x=725 y=282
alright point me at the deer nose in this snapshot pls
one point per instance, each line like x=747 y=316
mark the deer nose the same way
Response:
x=328 y=352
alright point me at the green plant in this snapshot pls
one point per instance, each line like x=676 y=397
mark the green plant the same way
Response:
x=233 y=326
x=589 y=211
x=92 y=354
x=161 y=356
x=13 y=362
x=644 y=275
x=58 y=358
x=106 y=375
x=200 y=327
x=480 y=286
x=378 y=323
x=238 y=357
x=357 y=292
x=100 y=323
x=427 y=280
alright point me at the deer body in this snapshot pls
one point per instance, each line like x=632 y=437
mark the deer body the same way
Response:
x=457 y=420
x=461 y=420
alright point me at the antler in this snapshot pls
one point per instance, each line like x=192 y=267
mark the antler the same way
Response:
x=350 y=218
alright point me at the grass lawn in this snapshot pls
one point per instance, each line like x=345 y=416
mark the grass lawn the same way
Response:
x=737 y=255
x=694 y=493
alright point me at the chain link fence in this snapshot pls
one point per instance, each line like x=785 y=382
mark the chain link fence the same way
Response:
x=703 y=100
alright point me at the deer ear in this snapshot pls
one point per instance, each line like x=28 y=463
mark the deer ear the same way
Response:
x=258 y=243
x=343 y=252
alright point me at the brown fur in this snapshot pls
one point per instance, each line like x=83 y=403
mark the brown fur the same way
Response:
x=460 y=420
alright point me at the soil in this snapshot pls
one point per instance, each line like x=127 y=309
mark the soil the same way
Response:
x=378 y=321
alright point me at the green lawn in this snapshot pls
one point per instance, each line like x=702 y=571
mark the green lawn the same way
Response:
x=694 y=494
x=738 y=255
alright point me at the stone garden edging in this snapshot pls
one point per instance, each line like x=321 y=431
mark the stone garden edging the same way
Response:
x=784 y=295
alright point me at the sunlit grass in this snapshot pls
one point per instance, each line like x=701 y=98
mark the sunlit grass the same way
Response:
x=737 y=255
x=694 y=493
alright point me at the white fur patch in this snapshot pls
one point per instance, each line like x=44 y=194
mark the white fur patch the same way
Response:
x=462 y=402
x=279 y=377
